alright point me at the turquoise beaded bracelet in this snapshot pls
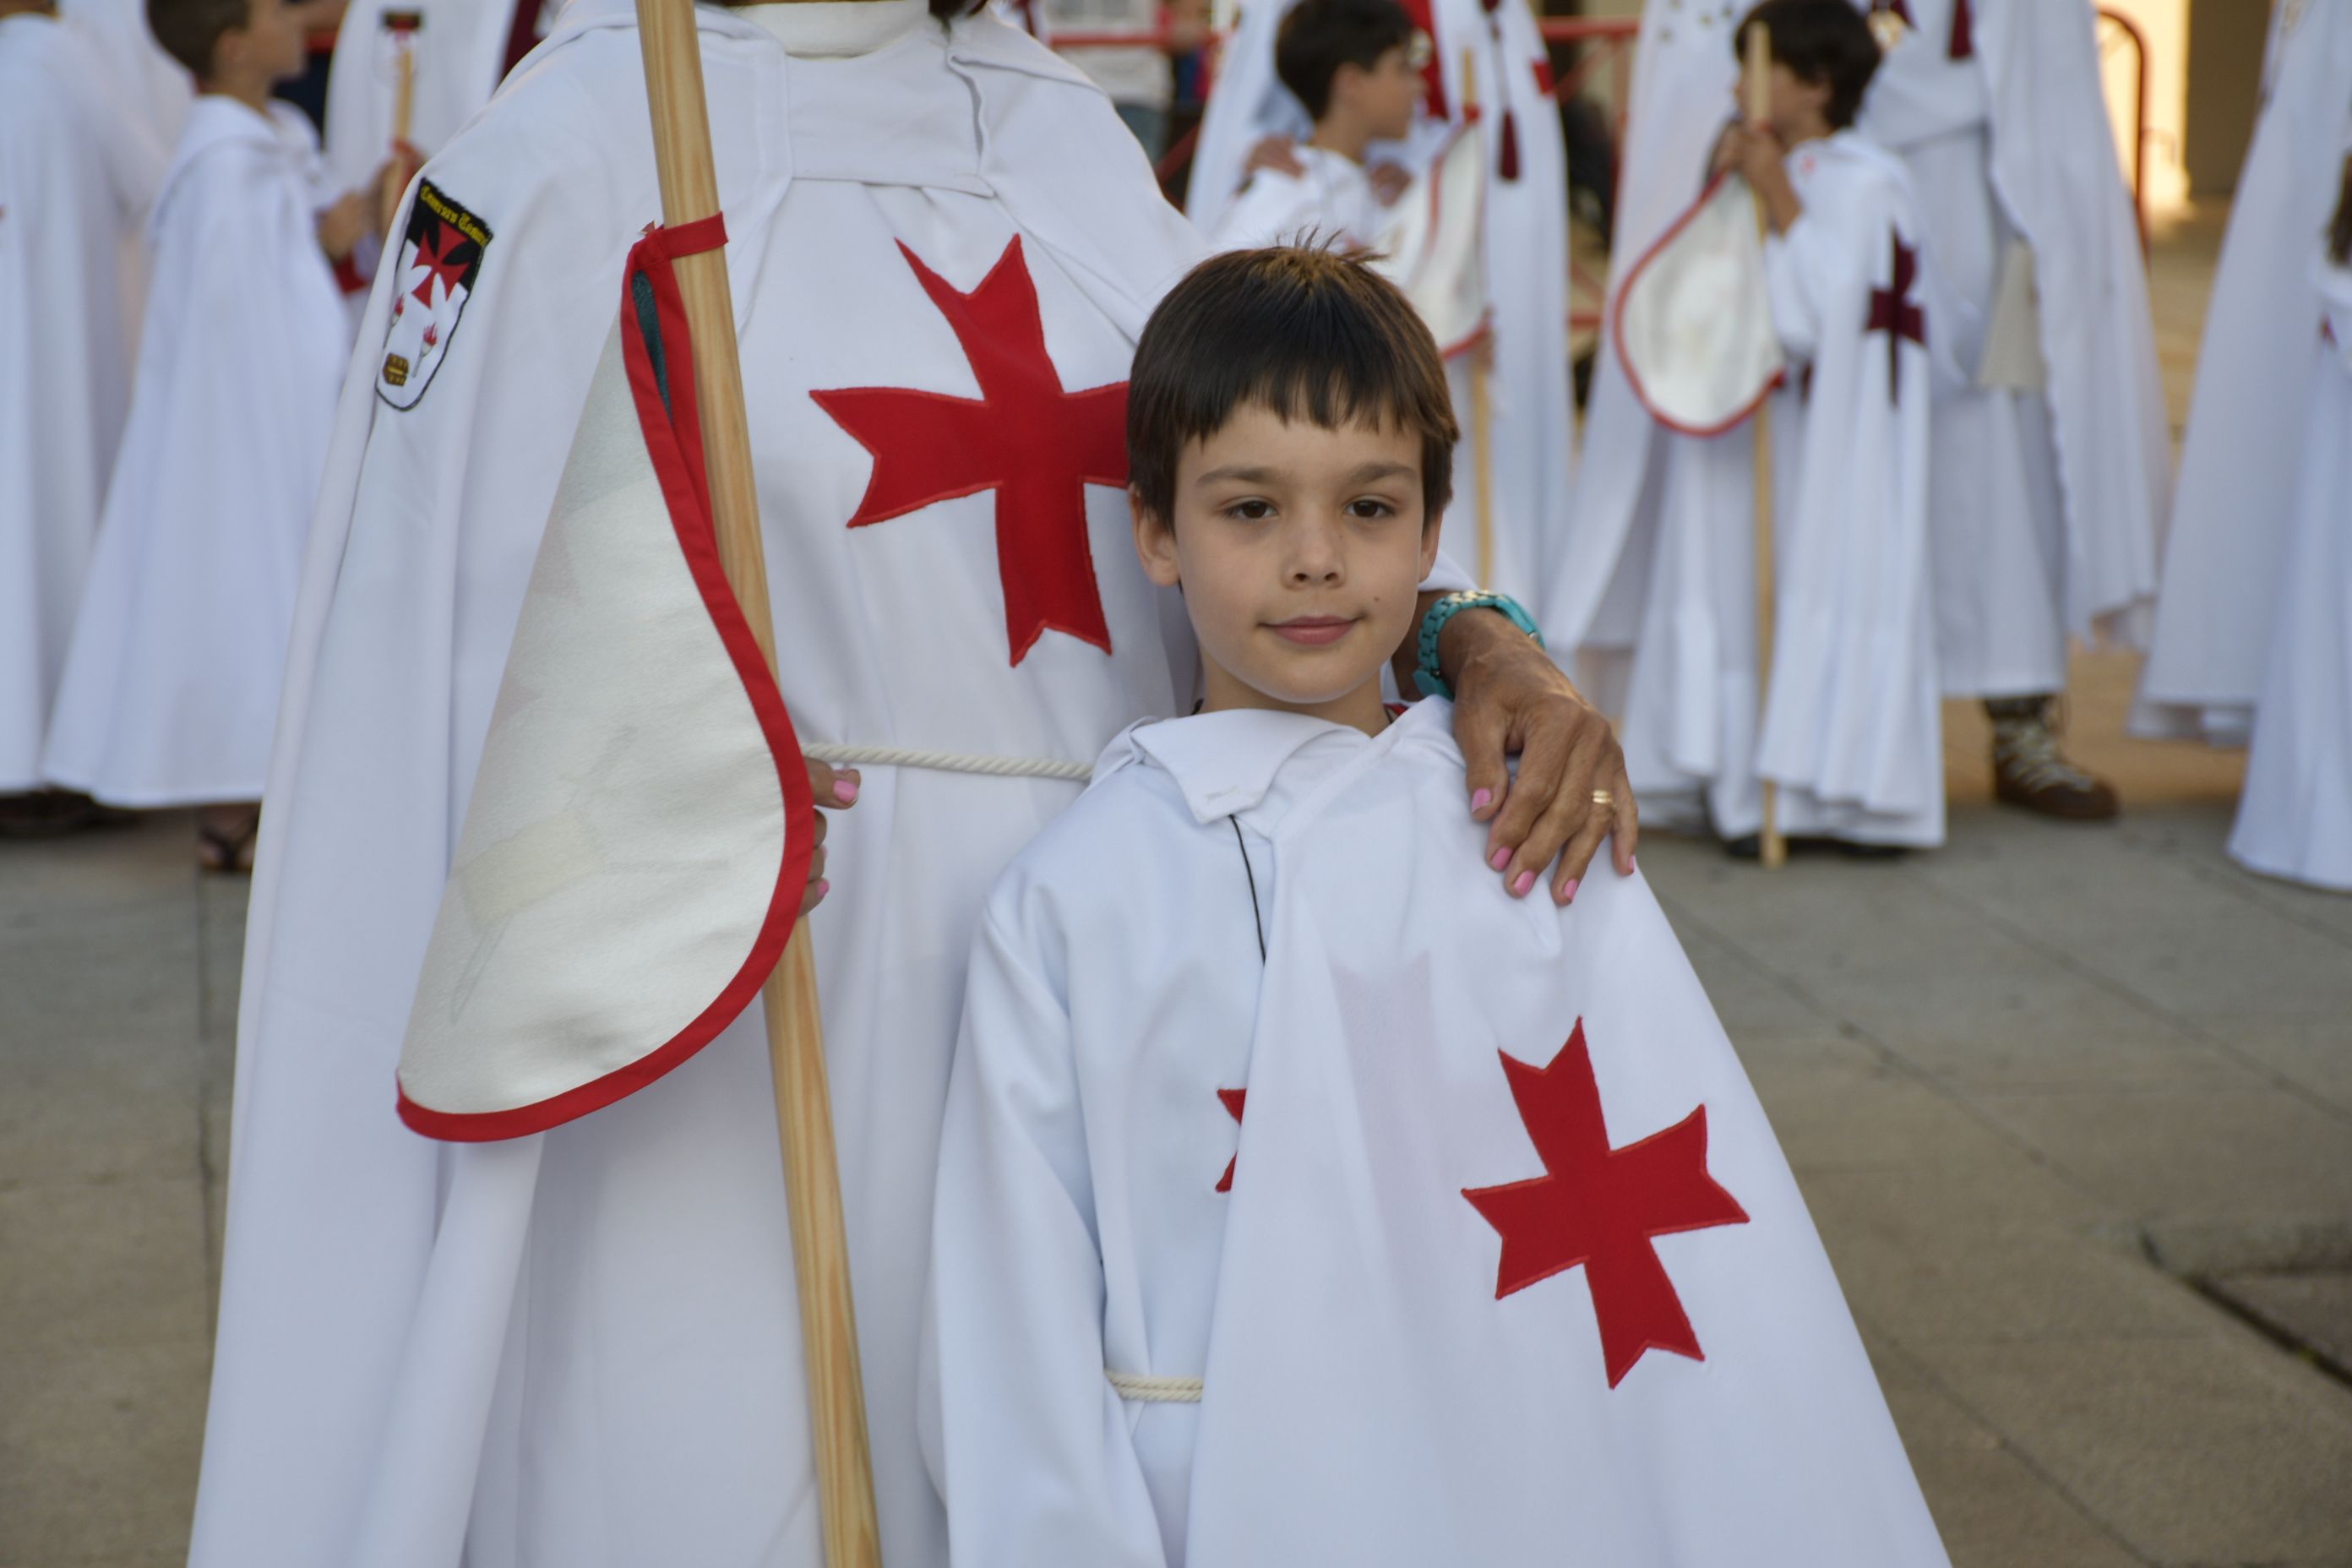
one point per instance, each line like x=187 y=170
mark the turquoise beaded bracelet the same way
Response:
x=1428 y=676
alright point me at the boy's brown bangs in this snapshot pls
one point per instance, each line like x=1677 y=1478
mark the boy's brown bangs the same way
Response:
x=1308 y=334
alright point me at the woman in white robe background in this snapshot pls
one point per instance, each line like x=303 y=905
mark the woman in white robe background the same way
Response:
x=76 y=182
x=2294 y=818
x=2239 y=458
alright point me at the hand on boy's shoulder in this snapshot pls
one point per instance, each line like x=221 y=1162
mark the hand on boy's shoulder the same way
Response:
x=1278 y=154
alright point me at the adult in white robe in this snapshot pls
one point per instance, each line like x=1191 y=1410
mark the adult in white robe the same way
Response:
x=2239 y=458
x=169 y=695
x=459 y=52
x=151 y=88
x=76 y=180
x=1526 y=246
x=1850 y=729
x=581 y=1346
x=1208 y=1283
x=2051 y=475
x=2295 y=817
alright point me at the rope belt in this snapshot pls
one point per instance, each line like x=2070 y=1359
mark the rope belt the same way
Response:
x=949 y=761
x=1147 y=1390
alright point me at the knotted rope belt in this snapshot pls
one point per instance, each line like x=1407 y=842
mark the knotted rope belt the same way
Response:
x=949 y=761
x=1147 y=1390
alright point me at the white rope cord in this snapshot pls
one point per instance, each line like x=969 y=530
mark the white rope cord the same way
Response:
x=1147 y=1390
x=949 y=761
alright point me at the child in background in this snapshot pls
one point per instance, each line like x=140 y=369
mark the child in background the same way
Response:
x=1356 y=65
x=1229 y=1159
x=170 y=691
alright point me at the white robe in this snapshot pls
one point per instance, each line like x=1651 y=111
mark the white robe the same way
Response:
x=1851 y=729
x=517 y=1351
x=2232 y=512
x=2295 y=817
x=170 y=691
x=2046 y=504
x=1169 y=1157
x=1331 y=201
x=459 y=54
x=1526 y=251
x=152 y=89
x=74 y=184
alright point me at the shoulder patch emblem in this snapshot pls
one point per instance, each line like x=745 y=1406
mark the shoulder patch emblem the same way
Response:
x=440 y=258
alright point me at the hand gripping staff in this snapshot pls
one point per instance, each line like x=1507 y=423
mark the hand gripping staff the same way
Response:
x=689 y=191
x=1772 y=849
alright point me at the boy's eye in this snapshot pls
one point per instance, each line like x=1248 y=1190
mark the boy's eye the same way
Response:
x=1369 y=506
x=1251 y=510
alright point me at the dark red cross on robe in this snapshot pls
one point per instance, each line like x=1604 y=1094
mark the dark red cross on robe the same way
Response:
x=1234 y=1101
x=1893 y=312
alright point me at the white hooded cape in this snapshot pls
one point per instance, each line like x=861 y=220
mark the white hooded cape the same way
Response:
x=170 y=691
x=1525 y=247
x=2232 y=514
x=1515 y=1270
x=2048 y=500
x=74 y=186
x=2294 y=818
x=428 y=1351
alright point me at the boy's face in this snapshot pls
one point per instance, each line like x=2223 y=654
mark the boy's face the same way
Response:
x=1385 y=96
x=268 y=46
x=1800 y=108
x=1300 y=551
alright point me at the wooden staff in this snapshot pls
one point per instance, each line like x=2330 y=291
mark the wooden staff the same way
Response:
x=403 y=26
x=1771 y=848
x=689 y=191
x=1482 y=453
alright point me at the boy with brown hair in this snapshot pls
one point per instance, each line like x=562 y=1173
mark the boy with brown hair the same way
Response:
x=1249 y=967
x=169 y=695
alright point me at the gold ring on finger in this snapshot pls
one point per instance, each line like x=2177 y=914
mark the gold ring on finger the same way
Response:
x=1603 y=799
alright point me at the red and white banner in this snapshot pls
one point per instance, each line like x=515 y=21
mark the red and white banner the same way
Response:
x=1693 y=322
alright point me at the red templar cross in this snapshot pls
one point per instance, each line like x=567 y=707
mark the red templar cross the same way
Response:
x=1036 y=445
x=1892 y=312
x=1599 y=1206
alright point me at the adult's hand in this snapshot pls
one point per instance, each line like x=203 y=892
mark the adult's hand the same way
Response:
x=832 y=789
x=1388 y=181
x=1509 y=698
x=1279 y=153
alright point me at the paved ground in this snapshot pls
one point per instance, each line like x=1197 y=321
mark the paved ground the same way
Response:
x=2073 y=1107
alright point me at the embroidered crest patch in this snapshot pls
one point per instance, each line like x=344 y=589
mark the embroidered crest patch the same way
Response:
x=440 y=258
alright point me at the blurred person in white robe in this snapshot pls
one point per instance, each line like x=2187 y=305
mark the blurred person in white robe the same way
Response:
x=458 y=51
x=169 y=695
x=941 y=246
x=2052 y=458
x=151 y=88
x=1212 y=1154
x=2240 y=457
x=78 y=175
x=2295 y=817
x=1254 y=121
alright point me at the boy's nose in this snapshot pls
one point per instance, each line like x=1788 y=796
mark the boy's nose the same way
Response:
x=1316 y=556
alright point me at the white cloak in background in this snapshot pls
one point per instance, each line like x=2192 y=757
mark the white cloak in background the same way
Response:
x=1330 y=203
x=1086 y=1163
x=2295 y=817
x=76 y=180
x=2050 y=488
x=152 y=90
x=460 y=52
x=1683 y=76
x=169 y=695
x=581 y=1347
x=1852 y=730
x=1526 y=248
x=1429 y=1345
x=2239 y=458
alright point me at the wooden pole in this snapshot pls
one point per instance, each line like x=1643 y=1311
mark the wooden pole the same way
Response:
x=1482 y=441
x=1771 y=848
x=689 y=190
x=403 y=108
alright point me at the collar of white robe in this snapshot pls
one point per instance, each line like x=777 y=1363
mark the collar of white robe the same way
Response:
x=836 y=28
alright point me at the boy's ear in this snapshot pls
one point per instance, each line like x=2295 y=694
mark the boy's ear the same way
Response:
x=1155 y=541
x=1432 y=532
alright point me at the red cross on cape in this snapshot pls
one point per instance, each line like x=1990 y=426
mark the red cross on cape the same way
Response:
x=1036 y=445
x=1599 y=1207
x=1892 y=312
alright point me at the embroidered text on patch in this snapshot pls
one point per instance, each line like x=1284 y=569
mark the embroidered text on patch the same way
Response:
x=439 y=261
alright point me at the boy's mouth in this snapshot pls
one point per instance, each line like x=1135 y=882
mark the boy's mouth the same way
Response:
x=1312 y=631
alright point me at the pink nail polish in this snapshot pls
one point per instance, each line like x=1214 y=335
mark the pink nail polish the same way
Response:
x=1568 y=894
x=1633 y=863
x=1478 y=801
x=1499 y=858
x=823 y=887
x=1521 y=884
x=845 y=791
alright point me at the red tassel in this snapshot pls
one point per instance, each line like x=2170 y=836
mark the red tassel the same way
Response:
x=1507 y=163
x=1964 y=39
